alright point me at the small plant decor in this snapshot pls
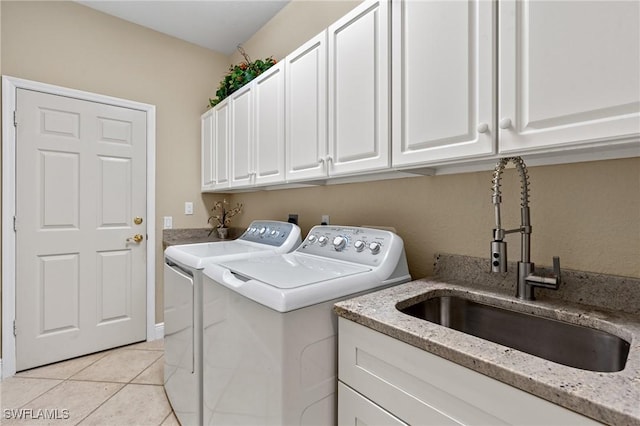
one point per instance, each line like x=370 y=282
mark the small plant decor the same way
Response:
x=224 y=214
x=239 y=75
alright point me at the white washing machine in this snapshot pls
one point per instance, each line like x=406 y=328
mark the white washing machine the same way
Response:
x=270 y=351
x=183 y=305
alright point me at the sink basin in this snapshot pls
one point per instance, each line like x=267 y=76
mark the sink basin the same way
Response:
x=557 y=341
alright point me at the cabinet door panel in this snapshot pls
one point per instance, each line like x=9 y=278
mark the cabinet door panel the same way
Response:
x=569 y=73
x=356 y=410
x=221 y=145
x=306 y=110
x=241 y=121
x=359 y=90
x=442 y=80
x=269 y=126
x=207 y=147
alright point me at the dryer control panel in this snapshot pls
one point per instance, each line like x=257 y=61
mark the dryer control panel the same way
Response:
x=270 y=232
x=365 y=246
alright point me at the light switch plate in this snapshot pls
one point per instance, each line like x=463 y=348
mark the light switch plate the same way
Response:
x=188 y=207
x=168 y=222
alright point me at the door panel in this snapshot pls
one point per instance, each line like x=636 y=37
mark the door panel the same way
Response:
x=81 y=179
x=221 y=145
x=443 y=90
x=359 y=138
x=565 y=80
x=269 y=126
x=241 y=121
x=306 y=110
x=58 y=287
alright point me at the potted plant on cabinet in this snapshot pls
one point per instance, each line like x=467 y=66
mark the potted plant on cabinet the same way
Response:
x=239 y=75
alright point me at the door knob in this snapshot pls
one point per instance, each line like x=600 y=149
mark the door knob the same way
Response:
x=137 y=220
x=136 y=238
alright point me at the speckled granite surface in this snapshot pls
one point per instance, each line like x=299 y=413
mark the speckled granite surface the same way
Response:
x=612 y=398
x=172 y=237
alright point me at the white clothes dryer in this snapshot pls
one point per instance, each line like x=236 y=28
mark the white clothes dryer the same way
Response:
x=183 y=306
x=269 y=344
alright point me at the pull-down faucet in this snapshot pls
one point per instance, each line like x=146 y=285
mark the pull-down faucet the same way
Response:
x=527 y=279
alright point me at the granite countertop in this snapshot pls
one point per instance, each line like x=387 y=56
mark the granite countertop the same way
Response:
x=172 y=237
x=612 y=398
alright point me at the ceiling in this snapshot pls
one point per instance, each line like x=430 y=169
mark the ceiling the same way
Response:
x=218 y=25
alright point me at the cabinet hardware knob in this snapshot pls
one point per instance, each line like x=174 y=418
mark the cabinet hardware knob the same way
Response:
x=505 y=123
x=483 y=128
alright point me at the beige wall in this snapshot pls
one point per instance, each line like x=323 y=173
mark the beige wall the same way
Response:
x=70 y=45
x=587 y=213
x=296 y=23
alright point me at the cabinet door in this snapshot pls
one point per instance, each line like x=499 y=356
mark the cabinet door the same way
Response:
x=443 y=81
x=206 y=151
x=569 y=73
x=268 y=141
x=354 y=409
x=306 y=110
x=221 y=145
x=359 y=138
x=240 y=125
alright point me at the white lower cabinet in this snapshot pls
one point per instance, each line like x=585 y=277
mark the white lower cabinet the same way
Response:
x=396 y=383
x=357 y=410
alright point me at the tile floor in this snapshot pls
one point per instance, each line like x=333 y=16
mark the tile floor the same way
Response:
x=122 y=386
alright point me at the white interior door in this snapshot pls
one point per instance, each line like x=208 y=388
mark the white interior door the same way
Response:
x=81 y=181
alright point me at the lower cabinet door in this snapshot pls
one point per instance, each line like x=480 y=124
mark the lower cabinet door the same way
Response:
x=354 y=409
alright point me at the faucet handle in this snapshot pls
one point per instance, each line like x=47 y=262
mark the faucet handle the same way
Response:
x=556 y=268
x=551 y=281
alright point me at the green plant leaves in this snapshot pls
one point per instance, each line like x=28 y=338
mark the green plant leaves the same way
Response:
x=238 y=76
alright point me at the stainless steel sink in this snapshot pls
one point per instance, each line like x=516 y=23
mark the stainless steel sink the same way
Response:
x=557 y=341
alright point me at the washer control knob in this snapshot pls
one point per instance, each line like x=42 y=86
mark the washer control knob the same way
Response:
x=339 y=243
x=375 y=247
x=312 y=239
x=274 y=233
x=262 y=230
x=323 y=240
x=359 y=245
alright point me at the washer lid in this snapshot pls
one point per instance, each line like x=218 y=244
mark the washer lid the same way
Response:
x=195 y=255
x=292 y=270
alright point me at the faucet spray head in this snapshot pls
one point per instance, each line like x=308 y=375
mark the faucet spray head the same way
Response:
x=499 y=256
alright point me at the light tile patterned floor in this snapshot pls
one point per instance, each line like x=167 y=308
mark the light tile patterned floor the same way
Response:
x=122 y=386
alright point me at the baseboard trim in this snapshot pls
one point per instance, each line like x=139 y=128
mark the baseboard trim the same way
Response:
x=159 y=331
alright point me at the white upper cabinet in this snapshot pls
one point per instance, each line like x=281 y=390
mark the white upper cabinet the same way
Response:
x=569 y=73
x=306 y=110
x=241 y=121
x=443 y=80
x=268 y=140
x=207 y=166
x=359 y=136
x=215 y=148
x=256 y=124
x=222 y=138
